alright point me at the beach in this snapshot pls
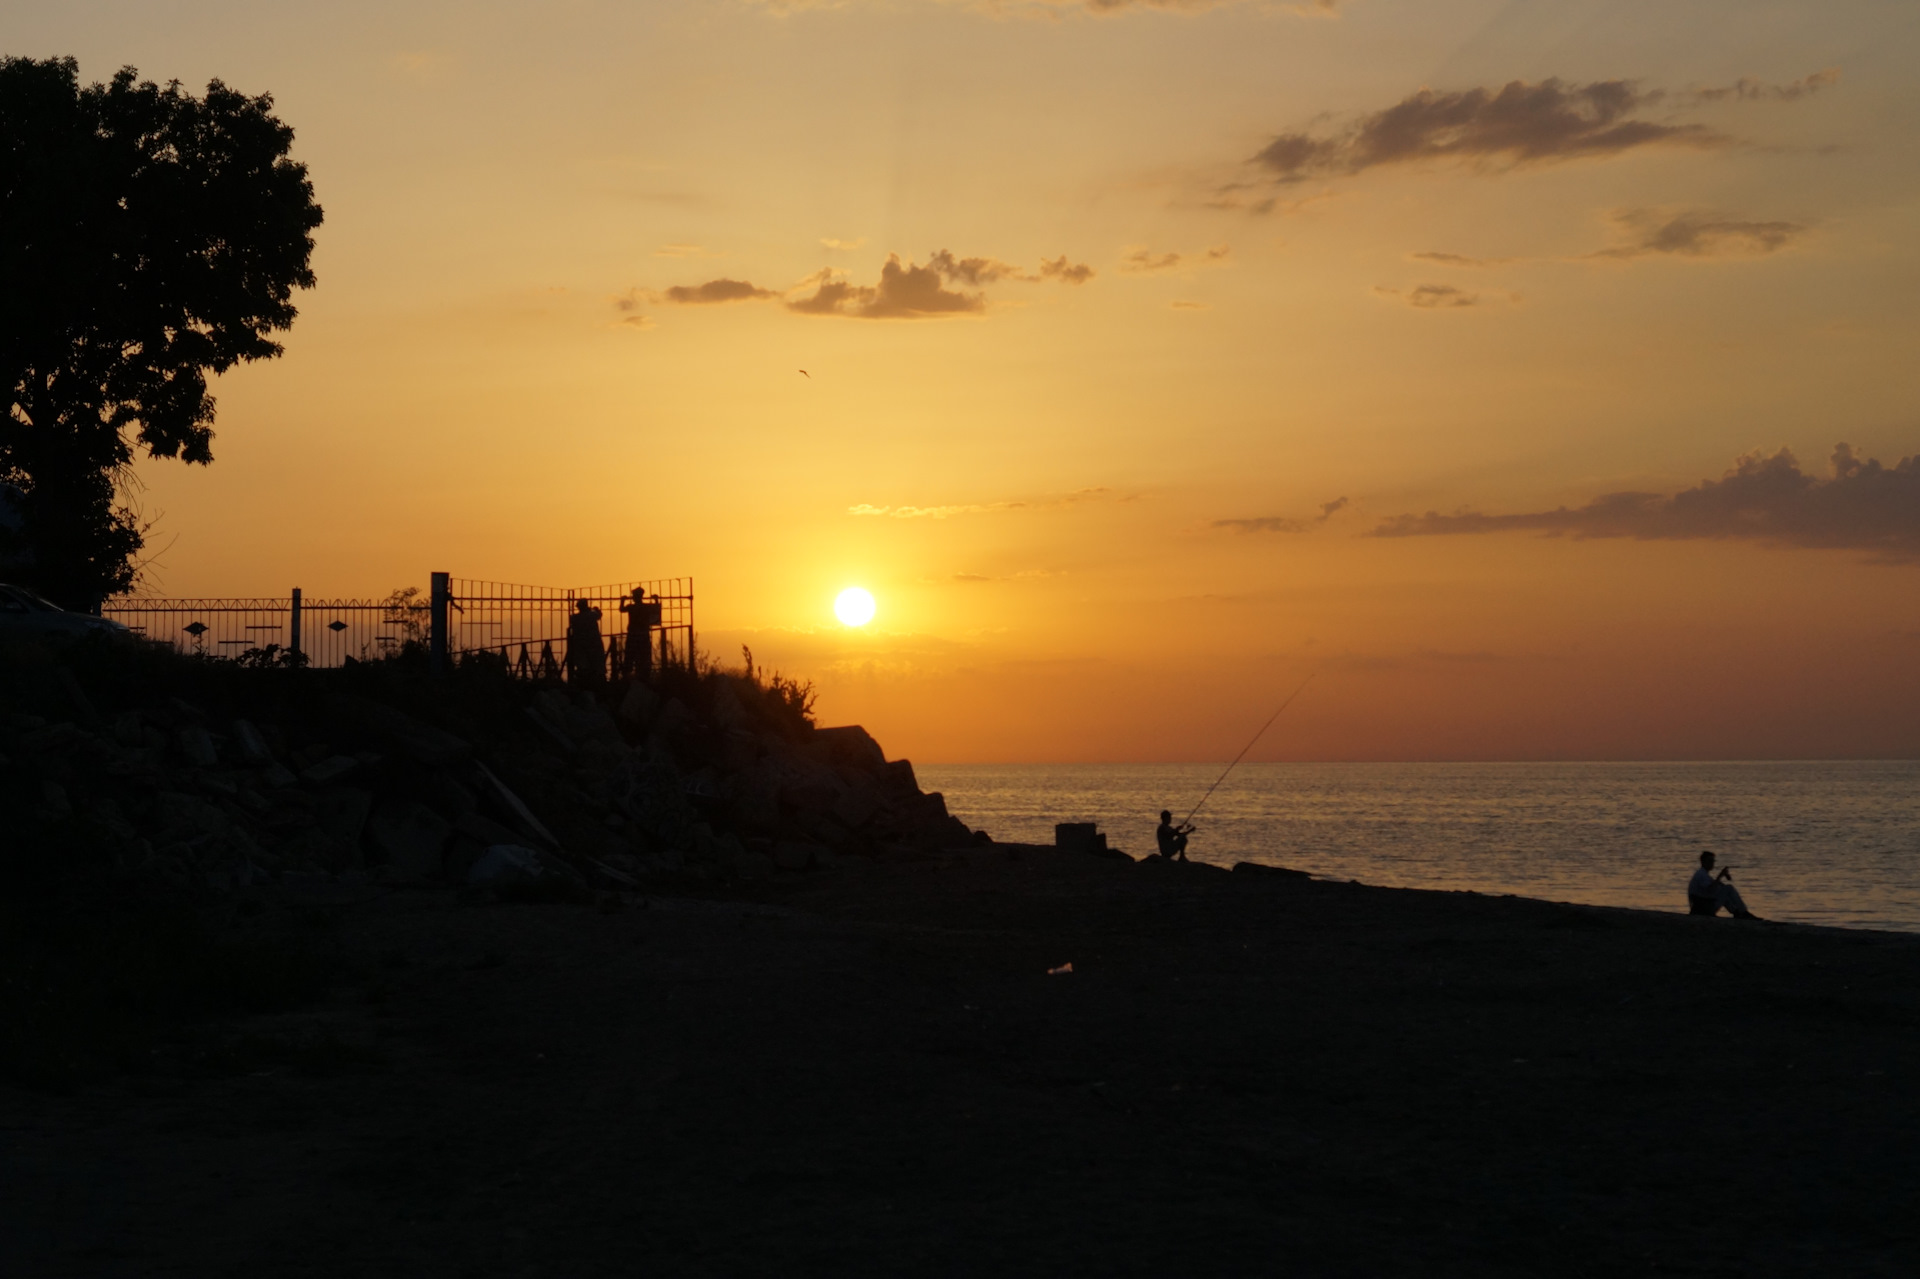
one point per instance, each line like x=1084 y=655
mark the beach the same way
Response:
x=888 y=1068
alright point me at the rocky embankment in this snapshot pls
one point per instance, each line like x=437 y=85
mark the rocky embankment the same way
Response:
x=202 y=774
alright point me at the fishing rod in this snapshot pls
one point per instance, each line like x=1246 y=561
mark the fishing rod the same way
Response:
x=1188 y=820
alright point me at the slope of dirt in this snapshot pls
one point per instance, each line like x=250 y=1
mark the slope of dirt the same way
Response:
x=872 y=1071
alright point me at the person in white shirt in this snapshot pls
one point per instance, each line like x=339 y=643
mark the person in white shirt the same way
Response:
x=1708 y=893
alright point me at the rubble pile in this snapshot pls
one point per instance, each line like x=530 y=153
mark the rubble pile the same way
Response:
x=391 y=776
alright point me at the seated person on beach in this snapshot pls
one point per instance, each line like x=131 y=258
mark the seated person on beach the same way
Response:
x=1172 y=839
x=1708 y=892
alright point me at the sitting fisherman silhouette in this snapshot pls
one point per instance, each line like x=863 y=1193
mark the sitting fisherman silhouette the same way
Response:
x=1172 y=839
x=586 y=652
x=1708 y=892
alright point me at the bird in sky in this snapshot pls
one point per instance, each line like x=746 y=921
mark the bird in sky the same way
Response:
x=806 y=375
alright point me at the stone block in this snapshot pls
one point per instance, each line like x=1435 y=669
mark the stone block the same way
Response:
x=414 y=839
x=329 y=770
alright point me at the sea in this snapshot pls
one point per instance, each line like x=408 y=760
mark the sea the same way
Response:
x=1835 y=843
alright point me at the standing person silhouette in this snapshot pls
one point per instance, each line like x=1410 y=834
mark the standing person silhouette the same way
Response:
x=1708 y=892
x=586 y=651
x=642 y=616
x=1172 y=839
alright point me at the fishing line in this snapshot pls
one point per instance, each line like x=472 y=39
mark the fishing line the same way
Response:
x=1244 y=749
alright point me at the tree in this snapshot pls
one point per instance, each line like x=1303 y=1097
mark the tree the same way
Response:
x=148 y=238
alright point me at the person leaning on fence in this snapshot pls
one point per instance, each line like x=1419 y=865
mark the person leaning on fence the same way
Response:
x=586 y=651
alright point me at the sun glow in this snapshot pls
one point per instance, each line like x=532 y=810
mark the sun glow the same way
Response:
x=854 y=606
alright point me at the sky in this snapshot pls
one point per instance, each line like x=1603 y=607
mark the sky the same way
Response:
x=1533 y=379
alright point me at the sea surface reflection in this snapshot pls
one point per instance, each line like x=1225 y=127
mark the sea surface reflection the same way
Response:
x=1817 y=843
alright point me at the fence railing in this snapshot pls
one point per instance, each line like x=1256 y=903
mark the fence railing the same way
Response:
x=641 y=624
x=530 y=626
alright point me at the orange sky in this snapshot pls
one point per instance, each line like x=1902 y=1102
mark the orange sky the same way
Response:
x=1208 y=269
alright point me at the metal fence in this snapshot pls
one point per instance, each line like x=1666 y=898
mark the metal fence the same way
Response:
x=528 y=626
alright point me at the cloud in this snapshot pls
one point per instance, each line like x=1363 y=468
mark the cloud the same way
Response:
x=1765 y=498
x=1439 y=297
x=1697 y=234
x=1458 y=259
x=1749 y=90
x=714 y=291
x=978 y=508
x=832 y=243
x=1283 y=523
x=1024 y=575
x=912 y=291
x=1190 y=306
x=637 y=322
x=906 y=292
x=1517 y=124
x=1064 y=271
x=1433 y=297
x=975 y=271
x=683 y=251
x=1141 y=260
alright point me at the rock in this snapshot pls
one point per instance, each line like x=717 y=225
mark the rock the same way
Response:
x=898 y=776
x=753 y=800
x=447 y=796
x=852 y=746
x=673 y=720
x=413 y=837
x=484 y=830
x=340 y=816
x=505 y=864
x=752 y=865
x=639 y=706
x=857 y=807
x=422 y=743
x=522 y=815
x=251 y=745
x=54 y=796
x=788 y=855
x=197 y=746
x=727 y=710
x=329 y=770
x=278 y=776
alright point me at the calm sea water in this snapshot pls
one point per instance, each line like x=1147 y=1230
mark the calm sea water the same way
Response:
x=1818 y=843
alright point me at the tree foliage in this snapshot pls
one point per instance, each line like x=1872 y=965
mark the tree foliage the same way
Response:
x=148 y=239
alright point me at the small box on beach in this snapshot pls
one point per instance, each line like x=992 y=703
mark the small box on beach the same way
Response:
x=1079 y=837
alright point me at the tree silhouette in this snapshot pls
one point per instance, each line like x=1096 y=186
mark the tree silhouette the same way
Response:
x=147 y=239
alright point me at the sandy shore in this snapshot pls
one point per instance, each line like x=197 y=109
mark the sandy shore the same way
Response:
x=873 y=1072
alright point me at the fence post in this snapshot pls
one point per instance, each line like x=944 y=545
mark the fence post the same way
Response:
x=693 y=662
x=293 y=622
x=440 y=593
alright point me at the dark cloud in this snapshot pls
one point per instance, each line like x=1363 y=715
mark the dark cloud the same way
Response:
x=912 y=291
x=975 y=271
x=1441 y=297
x=1749 y=90
x=1697 y=234
x=906 y=292
x=1458 y=259
x=715 y=291
x=1064 y=271
x=1861 y=506
x=1282 y=523
x=1517 y=124
x=1318 y=8
x=1144 y=261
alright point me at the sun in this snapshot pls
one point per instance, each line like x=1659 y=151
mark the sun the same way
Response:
x=854 y=606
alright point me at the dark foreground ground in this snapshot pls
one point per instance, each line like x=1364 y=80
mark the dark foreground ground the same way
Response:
x=874 y=1073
